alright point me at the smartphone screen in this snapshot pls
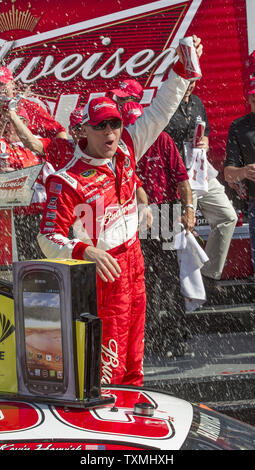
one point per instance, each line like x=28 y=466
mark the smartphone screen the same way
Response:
x=42 y=331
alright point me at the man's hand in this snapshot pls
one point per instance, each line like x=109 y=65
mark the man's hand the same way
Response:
x=249 y=172
x=145 y=217
x=107 y=267
x=203 y=143
x=5 y=103
x=188 y=219
x=197 y=44
x=7 y=170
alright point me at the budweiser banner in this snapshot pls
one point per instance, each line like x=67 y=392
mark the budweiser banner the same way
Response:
x=16 y=187
x=66 y=52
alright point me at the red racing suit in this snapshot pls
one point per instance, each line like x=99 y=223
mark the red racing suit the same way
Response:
x=100 y=203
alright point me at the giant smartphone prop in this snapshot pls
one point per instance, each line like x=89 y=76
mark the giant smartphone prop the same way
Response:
x=43 y=357
x=58 y=332
x=44 y=334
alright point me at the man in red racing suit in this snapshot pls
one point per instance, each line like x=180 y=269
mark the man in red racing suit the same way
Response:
x=111 y=225
x=96 y=194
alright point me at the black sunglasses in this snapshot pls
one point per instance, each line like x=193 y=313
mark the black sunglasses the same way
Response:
x=128 y=98
x=114 y=124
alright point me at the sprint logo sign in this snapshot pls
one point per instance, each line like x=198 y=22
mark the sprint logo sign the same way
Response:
x=6 y=328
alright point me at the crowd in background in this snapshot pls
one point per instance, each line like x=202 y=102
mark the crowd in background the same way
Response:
x=165 y=175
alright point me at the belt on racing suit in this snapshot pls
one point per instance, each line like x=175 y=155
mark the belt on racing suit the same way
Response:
x=124 y=246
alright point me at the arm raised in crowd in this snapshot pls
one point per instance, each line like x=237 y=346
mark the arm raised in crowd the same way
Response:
x=156 y=116
x=27 y=138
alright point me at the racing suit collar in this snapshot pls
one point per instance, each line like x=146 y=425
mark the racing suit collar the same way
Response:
x=79 y=153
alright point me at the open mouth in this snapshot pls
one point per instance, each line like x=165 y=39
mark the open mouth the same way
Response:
x=109 y=143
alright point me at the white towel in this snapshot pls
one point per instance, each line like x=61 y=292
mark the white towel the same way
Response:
x=191 y=258
x=200 y=171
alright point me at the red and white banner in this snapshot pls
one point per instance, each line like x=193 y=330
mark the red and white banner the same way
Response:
x=17 y=187
x=70 y=50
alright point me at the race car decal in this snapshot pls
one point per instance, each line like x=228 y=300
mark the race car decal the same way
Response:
x=124 y=421
x=81 y=445
x=209 y=426
x=116 y=426
x=19 y=416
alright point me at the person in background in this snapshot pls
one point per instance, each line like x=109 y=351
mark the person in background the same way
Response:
x=40 y=122
x=214 y=204
x=26 y=219
x=26 y=150
x=239 y=168
x=75 y=124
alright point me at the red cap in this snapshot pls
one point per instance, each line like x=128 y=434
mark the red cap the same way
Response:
x=130 y=112
x=5 y=75
x=75 y=117
x=129 y=87
x=251 y=86
x=99 y=109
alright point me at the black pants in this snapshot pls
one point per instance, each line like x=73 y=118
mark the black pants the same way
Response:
x=166 y=330
x=27 y=228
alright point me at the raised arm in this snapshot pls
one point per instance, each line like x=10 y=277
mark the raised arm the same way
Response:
x=156 y=116
x=27 y=138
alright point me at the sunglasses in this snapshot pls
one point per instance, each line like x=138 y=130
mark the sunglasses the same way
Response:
x=113 y=123
x=128 y=98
